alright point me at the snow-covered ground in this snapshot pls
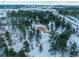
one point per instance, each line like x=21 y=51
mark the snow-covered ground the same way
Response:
x=44 y=41
x=72 y=39
x=45 y=45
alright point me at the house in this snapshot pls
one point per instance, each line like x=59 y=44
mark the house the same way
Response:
x=41 y=28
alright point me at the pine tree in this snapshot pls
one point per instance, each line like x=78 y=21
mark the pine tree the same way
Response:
x=68 y=26
x=10 y=52
x=38 y=36
x=52 y=40
x=63 y=23
x=30 y=36
x=73 y=50
x=26 y=46
x=57 y=23
x=7 y=35
x=61 y=41
x=21 y=53
x=13 y=22
x=40 y=48
x=6 y=51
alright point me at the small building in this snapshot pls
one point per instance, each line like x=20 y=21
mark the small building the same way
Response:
x=41 y=28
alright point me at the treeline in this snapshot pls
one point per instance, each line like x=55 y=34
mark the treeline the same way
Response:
x=69 y=12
